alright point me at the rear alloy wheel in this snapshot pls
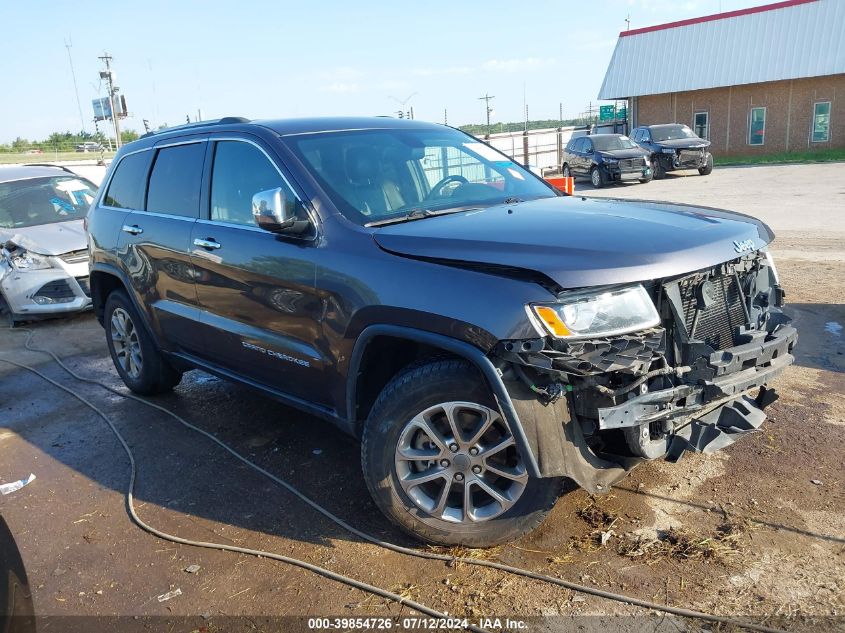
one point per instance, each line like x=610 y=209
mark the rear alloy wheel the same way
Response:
x=442 y=463
x=708 y=166
x=596 y=177
x=141 y=366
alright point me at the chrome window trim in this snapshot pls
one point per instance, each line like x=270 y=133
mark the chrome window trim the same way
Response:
x=312 y=216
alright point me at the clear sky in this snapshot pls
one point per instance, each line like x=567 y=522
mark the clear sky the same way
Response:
x=274 y=59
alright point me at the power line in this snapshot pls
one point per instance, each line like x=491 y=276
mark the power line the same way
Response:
x=68 y=44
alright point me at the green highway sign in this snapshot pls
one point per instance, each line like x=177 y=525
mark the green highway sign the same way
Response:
x=606 y=113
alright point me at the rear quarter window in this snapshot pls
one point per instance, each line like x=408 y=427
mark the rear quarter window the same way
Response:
x=126 y=188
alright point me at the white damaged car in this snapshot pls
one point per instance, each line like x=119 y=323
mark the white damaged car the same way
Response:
x=43 y=247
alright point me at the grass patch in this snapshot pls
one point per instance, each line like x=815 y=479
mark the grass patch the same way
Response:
x=51 y=157
x=814 y=156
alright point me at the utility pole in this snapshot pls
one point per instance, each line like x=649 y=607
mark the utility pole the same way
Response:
x=445 y=116
x=113 y=90
x=628 y=22
x=486 y=99
x=561 y=114
x=68 y=44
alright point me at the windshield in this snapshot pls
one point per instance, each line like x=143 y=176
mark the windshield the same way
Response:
x=610 y=143
x=35 y=201
x=378 y=175
x=671 y=132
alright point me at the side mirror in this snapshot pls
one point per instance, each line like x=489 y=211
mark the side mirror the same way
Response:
x=271 y=211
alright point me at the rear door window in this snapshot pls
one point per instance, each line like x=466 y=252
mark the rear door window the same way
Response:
x=126 y=189
x=175 y=180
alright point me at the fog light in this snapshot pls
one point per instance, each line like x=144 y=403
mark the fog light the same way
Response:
x=44 y=301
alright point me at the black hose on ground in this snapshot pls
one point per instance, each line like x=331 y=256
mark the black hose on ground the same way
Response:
x=594 y=591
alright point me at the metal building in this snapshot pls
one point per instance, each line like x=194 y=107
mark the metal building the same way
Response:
x=759 y=80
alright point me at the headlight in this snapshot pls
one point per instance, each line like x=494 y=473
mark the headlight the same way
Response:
x=611 y=161
x=591 y=314
x=667 y=150
x=30 y=261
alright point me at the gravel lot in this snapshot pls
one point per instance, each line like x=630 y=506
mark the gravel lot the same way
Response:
x=763 y=522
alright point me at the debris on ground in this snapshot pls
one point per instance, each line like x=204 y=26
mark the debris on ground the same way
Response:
x=682 y=544
x=601 y=520
x=192 y=569
x=459 y=551
x=169 y=595
x=7 y=489
x=816 y=482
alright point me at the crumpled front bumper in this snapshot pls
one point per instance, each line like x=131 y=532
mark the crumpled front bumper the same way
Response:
x=702 y=412
x=22 y=288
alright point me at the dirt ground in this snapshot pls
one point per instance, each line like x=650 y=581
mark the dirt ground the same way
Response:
x=756 y=531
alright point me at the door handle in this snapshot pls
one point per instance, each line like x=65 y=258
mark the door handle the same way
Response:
x=134 y=229
x=210 y=243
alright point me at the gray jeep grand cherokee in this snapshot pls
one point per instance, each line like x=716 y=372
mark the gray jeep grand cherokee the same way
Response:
x=482 y=334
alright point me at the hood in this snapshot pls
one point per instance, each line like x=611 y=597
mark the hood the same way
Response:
x=48 y=239
x=580 y=242
x=635 y=152
x=684 y=143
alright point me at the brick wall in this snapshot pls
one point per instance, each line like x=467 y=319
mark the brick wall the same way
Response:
x=789 y=113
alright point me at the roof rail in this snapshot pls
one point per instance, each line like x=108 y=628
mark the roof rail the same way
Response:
x=187 y=126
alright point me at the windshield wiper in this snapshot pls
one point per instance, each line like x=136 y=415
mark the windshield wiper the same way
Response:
x=417 y=213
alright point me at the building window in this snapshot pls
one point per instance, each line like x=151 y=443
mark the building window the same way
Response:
x=821 y=122
x=701 y=125
x=757 y=126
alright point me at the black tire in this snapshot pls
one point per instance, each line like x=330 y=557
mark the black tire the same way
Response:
x=408 y=394
x=648 y=178
x=657 y=170
x=154 y=375
x=597 y=177
x=708 y=166
x=641 y=444
x=566 y=171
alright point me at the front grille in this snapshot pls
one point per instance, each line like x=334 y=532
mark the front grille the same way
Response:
x=630 y=164
x=58 y=289
x=689 y=156
x=718 y=321
x=83 y=283
x=75 y=257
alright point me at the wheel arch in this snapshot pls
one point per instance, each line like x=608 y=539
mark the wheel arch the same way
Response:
x=361 y=394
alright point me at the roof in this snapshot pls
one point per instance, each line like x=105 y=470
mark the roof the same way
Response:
x=786 y=40
x=336 y=124
x=21 y=172
x=282 y=127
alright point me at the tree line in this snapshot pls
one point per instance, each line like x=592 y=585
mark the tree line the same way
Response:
x=64 y=141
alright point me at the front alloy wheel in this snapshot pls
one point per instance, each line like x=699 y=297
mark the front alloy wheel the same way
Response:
x=441 y=462
x=458 y=462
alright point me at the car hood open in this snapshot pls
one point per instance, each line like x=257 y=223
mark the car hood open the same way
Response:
x=48 y=239
x=579 y=242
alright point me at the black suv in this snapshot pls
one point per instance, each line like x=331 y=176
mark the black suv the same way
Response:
x=605 y=158
x=484 y=335
x=674 y=146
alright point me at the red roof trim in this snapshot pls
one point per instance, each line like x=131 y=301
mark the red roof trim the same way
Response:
x=716 y=16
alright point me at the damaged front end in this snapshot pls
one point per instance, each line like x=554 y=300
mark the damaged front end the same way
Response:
x=693 y=380
x=35 y=284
